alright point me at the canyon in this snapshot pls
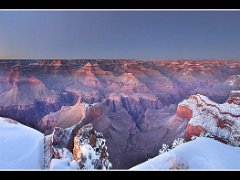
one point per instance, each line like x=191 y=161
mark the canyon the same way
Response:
x=137 y=105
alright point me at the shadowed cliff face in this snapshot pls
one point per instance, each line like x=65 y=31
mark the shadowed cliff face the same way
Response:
x=133 y=103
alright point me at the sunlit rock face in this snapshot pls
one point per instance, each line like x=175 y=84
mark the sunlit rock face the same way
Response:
x=90 y=150
x=66 y=117
x=136 y=105
x=184 y=112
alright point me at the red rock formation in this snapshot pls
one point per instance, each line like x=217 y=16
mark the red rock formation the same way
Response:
x=192 y=131
x=218 y=120
x=222 y=123
x=184 y=112
x=234 y=98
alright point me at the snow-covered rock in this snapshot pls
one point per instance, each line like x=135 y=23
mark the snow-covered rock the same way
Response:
x=90 y=150
x=21 y=147
x=55 y=146
x=201 y=153
x=205 y=116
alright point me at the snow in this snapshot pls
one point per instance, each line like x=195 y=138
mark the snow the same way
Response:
x=231 y=83
x=205 y=116
x=74 y=165
x=63 y=164
x=21 y=147
x=90 y=154
x=95 y=104
x=47 y=151
x=201 y=153
x=235 y=91
x=64 y=153
x=59 y=164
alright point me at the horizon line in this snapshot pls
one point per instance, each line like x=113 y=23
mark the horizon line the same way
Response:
x=133 y=59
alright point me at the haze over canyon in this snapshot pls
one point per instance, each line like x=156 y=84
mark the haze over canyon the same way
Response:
x=122 y=111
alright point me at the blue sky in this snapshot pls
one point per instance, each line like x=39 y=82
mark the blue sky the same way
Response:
x=120 y=34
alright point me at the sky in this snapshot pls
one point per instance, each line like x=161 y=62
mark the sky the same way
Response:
x=120 y=34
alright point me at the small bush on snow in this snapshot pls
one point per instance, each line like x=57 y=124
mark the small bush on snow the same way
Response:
x=166 y=147
x=177 y=142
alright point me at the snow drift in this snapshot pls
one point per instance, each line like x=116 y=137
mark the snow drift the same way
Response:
x=21 y=147
x=201 y=153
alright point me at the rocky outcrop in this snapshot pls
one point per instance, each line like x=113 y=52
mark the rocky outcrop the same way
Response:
x=86 y=94
x=90 y=150
x=192 y=131
x=127 y=79
x=66 y=117
x=60 y=137
x=234 y=98
x=55 y=147
x=86 y=76
x=25 y=91
x=29 y=114
x=184 y=112
x=26 y=99
x=94 y=110
x=136 y=104
x=218 y=120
